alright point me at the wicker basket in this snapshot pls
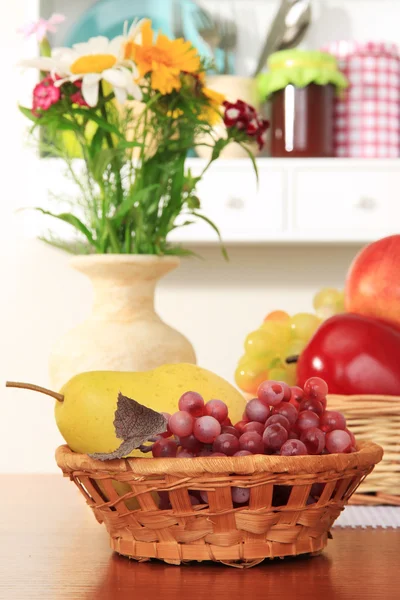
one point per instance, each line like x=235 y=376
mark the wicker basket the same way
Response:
x=375 y=418
x=278 y=520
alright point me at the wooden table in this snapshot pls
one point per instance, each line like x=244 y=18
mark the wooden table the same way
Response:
x=51 y=548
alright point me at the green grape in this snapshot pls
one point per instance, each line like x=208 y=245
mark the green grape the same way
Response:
x=328 y=302
x=304 y=325
x=291 y=374
x=243 y=359
x=251 y=374
x=282 y=374
x=294 y=348
x=279 y=332
x=260 y=343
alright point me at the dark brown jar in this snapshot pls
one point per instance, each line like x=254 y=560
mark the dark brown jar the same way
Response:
x=302 y=121
x=300 y=88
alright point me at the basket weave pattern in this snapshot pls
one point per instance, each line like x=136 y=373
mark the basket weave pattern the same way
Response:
x=273 y=524
x=375 y=418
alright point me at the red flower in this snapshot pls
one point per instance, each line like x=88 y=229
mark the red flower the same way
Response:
x=45 y=94
x=77 y=98
x=244 y=117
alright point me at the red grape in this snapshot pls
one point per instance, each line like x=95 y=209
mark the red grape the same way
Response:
x=226 y=443
x=164 y=503
x=204 y=497
x=331 y=420
x=206 y=429
x=227 y=423
x=164 y=448
x=205 y=452
x=353 y=439
x=313 y=405
x=240 y=495
x=218 y=454
x=270 y=393
x=230 y=429
x=293 y=435
x=167 y=433
x=191 y=444
x=185 y=454
x=286 y=391
x=254 y=426
x=181 y=423
x=315 y=388
x=192 y=403
x=216 y=409
x=314 y=440
x=257 y=411
x=293 y=448
x=193 y=500
x=338 y=441
x=242 y=453
x=282 y=420
x=275 y=436
x=297 y=395
x=252 y=441
x=288 y=411
x=306 y=420
x=317 y=489
x=240 y=426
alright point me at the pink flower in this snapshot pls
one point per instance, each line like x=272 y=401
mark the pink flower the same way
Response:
x=45 y=94
x=41 y=27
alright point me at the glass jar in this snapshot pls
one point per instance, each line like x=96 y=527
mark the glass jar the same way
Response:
x=300 y=88
x=302 y=121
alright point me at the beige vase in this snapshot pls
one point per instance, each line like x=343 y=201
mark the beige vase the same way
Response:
x=123 y=332
x=233 y=88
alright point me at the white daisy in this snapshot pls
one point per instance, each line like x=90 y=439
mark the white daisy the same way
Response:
x=93 y=61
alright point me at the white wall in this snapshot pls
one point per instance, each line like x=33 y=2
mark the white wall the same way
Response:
x=214 y=303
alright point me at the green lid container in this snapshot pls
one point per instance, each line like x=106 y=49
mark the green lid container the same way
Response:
x=300 y=68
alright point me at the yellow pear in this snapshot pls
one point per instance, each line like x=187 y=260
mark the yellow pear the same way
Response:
x=85 y=418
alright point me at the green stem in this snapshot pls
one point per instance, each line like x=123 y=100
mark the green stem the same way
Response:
x=110 y=144
x=113 y=238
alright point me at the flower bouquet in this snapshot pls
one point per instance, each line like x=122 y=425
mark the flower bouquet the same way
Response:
x=135 y=106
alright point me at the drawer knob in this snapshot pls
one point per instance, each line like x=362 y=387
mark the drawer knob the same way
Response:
x=236 y=203
x=366 y=203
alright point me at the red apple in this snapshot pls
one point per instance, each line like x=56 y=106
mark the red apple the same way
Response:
x=373 y=281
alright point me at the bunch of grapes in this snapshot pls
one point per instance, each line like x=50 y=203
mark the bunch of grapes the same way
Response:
x=281 y=420
x=280 y=337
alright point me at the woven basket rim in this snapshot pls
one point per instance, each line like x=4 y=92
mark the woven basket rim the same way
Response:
x=368 y=454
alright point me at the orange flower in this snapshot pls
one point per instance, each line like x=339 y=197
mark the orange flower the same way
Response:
x=165 y=59
x=212 y=113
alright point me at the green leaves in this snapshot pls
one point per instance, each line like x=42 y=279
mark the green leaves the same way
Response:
x=131 y=205
x=27 y=112
x=217 y=231
x=71 y=220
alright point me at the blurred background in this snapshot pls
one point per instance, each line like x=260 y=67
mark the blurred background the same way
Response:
x=315 y=216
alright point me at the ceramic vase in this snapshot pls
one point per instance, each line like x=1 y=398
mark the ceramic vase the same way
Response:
x=123 y=332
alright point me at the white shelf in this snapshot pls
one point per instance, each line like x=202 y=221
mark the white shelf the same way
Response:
x=297 y=201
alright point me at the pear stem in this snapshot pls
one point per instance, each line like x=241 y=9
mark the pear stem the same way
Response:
x=35 y=388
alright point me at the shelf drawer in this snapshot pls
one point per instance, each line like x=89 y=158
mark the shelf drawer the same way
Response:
x=243 y=211
x=346 y=200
